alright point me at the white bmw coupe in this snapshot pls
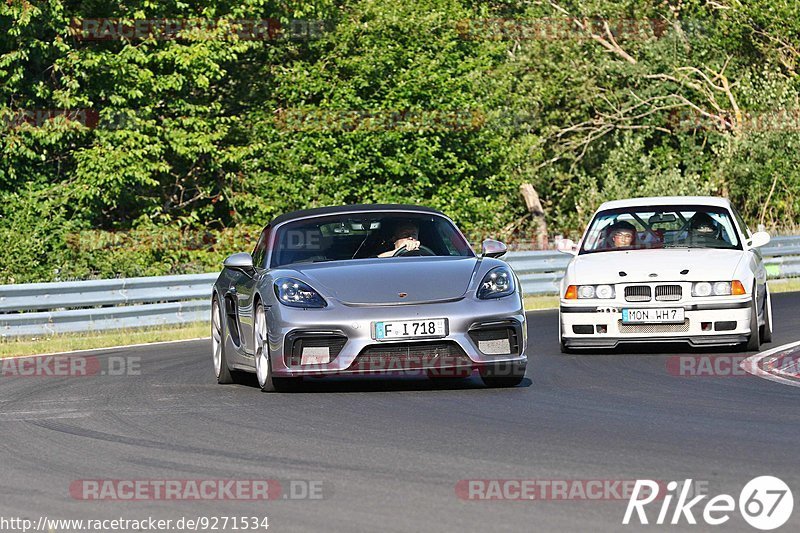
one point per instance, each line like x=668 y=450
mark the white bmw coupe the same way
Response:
x=670 y=269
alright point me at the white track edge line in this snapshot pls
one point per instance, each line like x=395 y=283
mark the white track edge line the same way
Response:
x=106 y=348
x=750 y=365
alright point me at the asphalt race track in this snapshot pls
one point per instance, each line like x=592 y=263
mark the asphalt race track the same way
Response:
x=391 y=452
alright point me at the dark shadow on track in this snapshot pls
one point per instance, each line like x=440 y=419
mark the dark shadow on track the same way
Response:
x=664 y=348
x=412 y=383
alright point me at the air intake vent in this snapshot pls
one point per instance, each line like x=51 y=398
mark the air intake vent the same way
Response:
x=668 y=293
x=496 y=340
x=637 y=293
x=327 y=346
x=410 y=356
x=653 y=328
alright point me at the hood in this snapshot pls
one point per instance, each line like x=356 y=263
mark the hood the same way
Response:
x=379 y=281
x=667 y=265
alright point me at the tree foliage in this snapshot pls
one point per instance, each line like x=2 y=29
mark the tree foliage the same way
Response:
x=453 y=104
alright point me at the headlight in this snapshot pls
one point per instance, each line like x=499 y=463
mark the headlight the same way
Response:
x=718 y=288
x=498 y=282
x=588 y=292
x=295 y=293
x=604 y=292
x=722 y=288
x=702 y=289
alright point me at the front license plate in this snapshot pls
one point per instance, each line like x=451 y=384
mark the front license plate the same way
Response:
x=409 y=329
x=652 y=316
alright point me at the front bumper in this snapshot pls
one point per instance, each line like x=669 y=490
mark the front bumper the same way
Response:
x=717 y=322
x=358 y=353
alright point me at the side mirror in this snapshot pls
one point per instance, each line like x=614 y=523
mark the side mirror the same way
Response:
x=759 y=239
x=567 y=246
x=241 y=261
x=493 y=248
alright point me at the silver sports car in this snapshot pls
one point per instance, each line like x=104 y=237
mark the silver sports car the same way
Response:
x=367 y=289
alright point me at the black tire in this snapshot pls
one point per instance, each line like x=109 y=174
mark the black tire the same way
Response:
x=282 y=384
x=218 y=336
x=264 y=377
x=766 y=329
x=754 y=342
x=503 y=375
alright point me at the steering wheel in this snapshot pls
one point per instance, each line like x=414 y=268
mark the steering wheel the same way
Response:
x=422 y=250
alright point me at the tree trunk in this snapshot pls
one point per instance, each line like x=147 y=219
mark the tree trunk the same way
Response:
x=535 y=208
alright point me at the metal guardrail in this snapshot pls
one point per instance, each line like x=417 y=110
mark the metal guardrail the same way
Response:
x=782 y=257
x=47 y=308
x=540 y=272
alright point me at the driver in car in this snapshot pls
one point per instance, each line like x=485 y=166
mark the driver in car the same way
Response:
x=405 y=234
x=703 y=225
x=704 y=230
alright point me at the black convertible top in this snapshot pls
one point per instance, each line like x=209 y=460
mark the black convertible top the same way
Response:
x=319 y=211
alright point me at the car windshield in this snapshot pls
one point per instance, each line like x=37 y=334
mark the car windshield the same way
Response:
x=638 y=228
x=366 y=235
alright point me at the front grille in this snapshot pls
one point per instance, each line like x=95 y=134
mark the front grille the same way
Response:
x=669 y=293
x=496 y=340
x=334 y=344
x=410 y=356
x=637 y=293
x=654 y=328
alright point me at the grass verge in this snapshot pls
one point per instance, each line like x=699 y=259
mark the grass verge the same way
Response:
x=70 y=342
x=784 y=285
x=535 y=303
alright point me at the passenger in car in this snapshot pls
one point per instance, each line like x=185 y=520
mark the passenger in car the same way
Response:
x=621 y=235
